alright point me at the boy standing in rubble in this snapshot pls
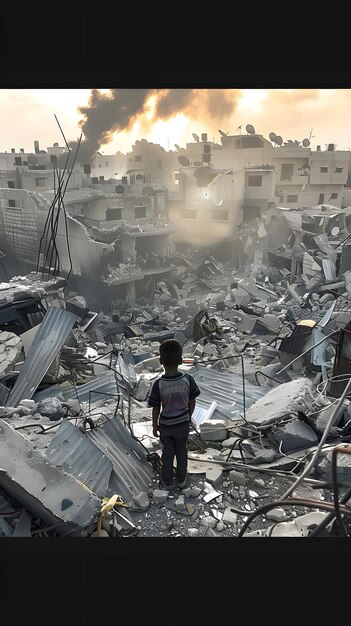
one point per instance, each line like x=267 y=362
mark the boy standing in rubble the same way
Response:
x=172 y=400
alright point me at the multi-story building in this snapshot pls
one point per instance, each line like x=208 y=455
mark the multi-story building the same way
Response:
x=213 y=202
x=113 y=259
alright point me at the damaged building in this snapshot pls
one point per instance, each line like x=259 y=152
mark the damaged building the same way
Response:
x=239 y=250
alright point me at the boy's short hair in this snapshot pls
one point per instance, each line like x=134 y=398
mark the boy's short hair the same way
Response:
x=171 y=352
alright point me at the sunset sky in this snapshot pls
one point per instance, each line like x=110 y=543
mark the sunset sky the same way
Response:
x=28 y=114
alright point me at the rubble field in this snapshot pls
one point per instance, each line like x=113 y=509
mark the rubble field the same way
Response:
x=268 y=343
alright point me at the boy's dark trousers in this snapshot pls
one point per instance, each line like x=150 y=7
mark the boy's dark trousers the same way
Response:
x=174 y=442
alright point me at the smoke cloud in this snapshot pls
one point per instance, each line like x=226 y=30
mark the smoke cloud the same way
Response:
x=116 y=111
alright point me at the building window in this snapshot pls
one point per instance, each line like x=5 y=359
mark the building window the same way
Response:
x=222 y=216
x=12 y=203
x=132 y=179
x=324 y=170
x=291 y=198
x=138 y=157
x=334 y=196
x=255 y=181
x=99 y=165
x=338 y=170
x=287 y=171
x=176 y=175
x=159 y=164
x=140 y=212
x=139 y=178
x=113 y=214
x=188 y=214
x=40 y=182
x=10 y=184
x=321 y=198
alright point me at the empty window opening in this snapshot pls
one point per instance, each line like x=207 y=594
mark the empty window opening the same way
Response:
x=138 y=157
x=321 y=198
x=287 y=171
x=40 y=182
x=12 y=203
x=10 y=184
x=255 y=181
x=140 y=212
x=338 y=170
x=222 y=215
x=324 y=170
x=113 y=214
x=334 y=196
x=291 y=198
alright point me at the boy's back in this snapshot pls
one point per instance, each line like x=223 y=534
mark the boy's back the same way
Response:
x=172 y=399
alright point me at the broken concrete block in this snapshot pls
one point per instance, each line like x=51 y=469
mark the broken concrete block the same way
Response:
x=195 y=492
x=288 y=398
x=295 y=436
x=187 y=492
x=140 y=501
x=323 y=466
x=40 y=487
x=264 y=456
x=208 y=521
x=238 y=478
x=220 y=527
x=214 y=430
x=30 y=404
x=214 y=475
x=192 y=532
x=277 y=515
x=49 y=407
x=229 y=517
x=179 y=503
x=228 y=443
x=258 y=482
x=159 y=496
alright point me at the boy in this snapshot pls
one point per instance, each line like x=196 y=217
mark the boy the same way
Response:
x=175 y=392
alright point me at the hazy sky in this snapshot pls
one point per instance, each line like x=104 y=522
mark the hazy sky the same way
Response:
x=28 y=114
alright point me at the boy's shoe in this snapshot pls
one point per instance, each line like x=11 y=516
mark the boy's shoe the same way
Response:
x=166 y=486
x=182 y=484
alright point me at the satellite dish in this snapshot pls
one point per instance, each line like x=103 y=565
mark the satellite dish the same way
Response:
x=335 y=231
x=184 y=161
x=177 y=147
x=272 y=137
x=32 y=160
x=306 y=143
x=250 y=129
x=148 y=191
x=196 y=137
x=222 y=133
x=279 y=140
x=119 y=189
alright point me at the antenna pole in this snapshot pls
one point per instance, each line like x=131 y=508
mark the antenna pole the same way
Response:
x=309 y=139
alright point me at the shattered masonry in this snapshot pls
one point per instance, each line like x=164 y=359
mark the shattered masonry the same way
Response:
x=264 y=320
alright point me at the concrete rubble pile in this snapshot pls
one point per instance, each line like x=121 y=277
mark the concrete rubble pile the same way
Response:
x=266 y=337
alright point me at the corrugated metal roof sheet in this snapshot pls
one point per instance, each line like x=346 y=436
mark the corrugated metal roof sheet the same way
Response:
x=107 y=459
x=227 y=389
x=131 y=470
x=76 y=454
x=51 y=334
x=105 y=383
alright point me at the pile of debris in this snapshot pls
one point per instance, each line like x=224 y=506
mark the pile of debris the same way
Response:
x=268 y=343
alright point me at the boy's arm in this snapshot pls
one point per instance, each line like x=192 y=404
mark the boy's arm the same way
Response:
x=155 y=416
x=191 y=411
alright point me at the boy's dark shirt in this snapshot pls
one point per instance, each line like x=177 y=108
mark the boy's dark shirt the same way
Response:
x=173 y=394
